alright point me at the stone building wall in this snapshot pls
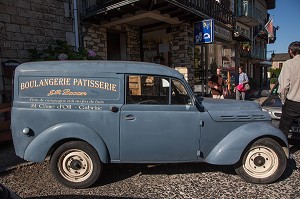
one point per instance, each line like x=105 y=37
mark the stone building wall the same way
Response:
x=31 y=24
x=133 y=43
x=95 y=38
x=182 y=51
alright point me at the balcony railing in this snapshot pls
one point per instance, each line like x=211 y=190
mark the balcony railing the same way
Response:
x=252 y=51
x=211 y=8
x=248 y=10
x=205 y=8
x=258 y=52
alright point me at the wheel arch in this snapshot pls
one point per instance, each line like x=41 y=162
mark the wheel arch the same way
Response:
x=231 y=148
x=47 y=141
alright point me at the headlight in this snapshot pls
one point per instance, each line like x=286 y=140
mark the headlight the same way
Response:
x=270 y=112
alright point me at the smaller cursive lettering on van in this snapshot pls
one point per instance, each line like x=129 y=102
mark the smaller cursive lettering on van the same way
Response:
x=66 y=92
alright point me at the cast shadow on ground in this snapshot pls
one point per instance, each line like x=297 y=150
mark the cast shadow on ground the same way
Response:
x=117 y=172
x=295 y=146
x=80 y=197
x=8 y=158
x=291 y=165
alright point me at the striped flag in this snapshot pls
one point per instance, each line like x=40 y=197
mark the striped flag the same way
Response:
x=270 y=29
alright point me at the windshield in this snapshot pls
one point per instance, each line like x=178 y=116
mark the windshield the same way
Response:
x=273 y=102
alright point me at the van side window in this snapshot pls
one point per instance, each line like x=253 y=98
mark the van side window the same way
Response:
x=147 y=90
x=179 y=93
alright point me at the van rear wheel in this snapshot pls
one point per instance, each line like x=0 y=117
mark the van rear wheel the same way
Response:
x=263 y=162
x=76 y=164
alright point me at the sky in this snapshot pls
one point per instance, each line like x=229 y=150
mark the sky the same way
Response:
x=286 y=15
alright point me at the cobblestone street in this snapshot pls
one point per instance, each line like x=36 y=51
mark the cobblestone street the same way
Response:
x=141 y=181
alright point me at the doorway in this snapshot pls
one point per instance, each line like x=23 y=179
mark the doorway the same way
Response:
x=116 y=46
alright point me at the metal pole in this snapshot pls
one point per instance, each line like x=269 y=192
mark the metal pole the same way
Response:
x=76 y=26
x=202 y=70
x=206 y=67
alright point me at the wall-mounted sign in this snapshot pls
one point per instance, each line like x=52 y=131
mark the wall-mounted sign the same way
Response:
x=204 y=31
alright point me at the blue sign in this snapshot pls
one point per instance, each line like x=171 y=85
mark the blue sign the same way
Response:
x=204 y=31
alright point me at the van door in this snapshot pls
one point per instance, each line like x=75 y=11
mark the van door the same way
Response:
x=158 y=121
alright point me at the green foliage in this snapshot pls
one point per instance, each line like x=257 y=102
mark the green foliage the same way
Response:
x=53 y=52
x=274 y=71
x=273 y=80
x=34 y=54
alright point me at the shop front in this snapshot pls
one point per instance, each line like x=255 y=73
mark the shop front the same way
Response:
x=153 y=31
x=209 y=57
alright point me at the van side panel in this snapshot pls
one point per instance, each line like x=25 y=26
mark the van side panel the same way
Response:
x=64 y=106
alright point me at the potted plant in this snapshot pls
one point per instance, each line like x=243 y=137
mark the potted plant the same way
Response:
x=246 y=46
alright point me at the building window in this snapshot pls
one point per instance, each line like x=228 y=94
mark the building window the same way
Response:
x=280 y=65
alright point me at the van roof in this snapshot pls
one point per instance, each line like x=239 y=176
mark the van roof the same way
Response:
x=89 y=67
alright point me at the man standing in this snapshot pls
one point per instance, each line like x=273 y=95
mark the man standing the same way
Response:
x=216 y=84
x=289 y=88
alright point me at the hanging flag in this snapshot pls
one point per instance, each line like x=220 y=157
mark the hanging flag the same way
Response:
x=270 y=29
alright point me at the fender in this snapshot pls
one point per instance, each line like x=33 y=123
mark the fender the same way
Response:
x=229 y=150
x=45 y=140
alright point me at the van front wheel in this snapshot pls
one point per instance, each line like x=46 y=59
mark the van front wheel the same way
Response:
x=76 y=164
x=263 y=162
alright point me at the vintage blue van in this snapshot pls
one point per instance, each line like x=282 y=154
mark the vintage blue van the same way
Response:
x=85 y=114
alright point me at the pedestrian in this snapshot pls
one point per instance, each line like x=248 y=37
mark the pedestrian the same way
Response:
x=240 y=90
x=216 y=84
x=289 y=88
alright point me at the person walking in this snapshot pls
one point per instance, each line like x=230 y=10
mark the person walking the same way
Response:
x=289 y=89
x=216 y=84
x=240 y=90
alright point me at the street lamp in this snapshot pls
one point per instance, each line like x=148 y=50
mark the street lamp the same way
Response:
x=273 y=54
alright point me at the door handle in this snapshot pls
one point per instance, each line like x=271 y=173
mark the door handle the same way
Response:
x=129 y=117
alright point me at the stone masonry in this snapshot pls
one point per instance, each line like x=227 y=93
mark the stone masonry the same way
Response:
x=31 y=24
x=182 y=51
x=95 y=39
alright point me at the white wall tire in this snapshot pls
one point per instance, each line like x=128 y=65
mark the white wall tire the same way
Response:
x=263 y=162
x=76 y=164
